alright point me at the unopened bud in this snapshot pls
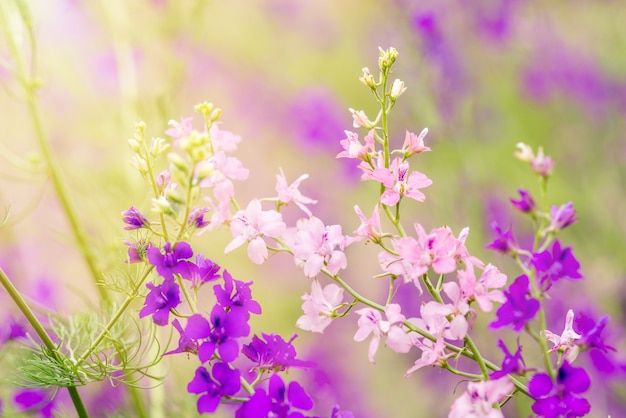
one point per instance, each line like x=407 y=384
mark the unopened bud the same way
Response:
x=397 y=89
x=134 y=145
x=367 y=78
x=387 y=58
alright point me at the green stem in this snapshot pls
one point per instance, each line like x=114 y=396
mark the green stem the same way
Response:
x=43 y=335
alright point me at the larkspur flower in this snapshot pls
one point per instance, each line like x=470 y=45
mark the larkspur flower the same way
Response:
x=219 y=333
x=279 y=401
x=11 y=329
x=478 y=400
x=221 y=382
x=484 y=290
x=562 y=216
x=317 y=246
x=320 y=307
x=196 y=218
x=291 y=193
x=272 y=352
x=414 y=144
x=433 y=353
x=202 y=271
x=458 y=311
x=223 y=140
x=134 y=219
x=137 y=251
x=360 y=119
x=172 y=260
x=186 y=344
x=370 y=228
x=505 y=242
x=591 y=332
x=371 y=322
x=179 y=129
x=519 y=307
x=554 y=265
x=34 y=400
x=353 y=147
x=526 y=203
x=511 y=363
x=565 y=342
x=236 y=296
x=560 y=398
x=399 y=183
x=160 y=300
x=251 y=225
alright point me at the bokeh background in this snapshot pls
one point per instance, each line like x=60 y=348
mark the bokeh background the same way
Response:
x=482 y=76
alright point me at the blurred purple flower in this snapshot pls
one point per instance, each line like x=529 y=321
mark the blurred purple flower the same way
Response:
x=225 y=382
x=34 y=400
x=134 y=219
x=562 y=216
x=495 y=19
x=186 y=344
x=526 y=203
x=505 y=242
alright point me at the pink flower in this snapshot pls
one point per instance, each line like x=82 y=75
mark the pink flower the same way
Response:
x=481 y=290
x=411 y=262
x=179 y=129
x=369 y=228
x=353 y=147
x=458 y=324
x=287 y=194
x=565 y=342
x=317 y=246
x=371 y=322
x=432 y=353
x=223 y=140
x=414 y=144
x=478 y=400
x=251 y=225
x=360 y=119
x=319 y=307
x=399 y=183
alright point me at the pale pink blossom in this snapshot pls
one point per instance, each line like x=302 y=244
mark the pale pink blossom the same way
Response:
x=565 y=341
x=458 y=324
x=399 y=183
x=479 y=399
x=223 y=140
x=251 y=225
x=317 y=246
x=179 y=129
x=370 y=228
x=353 y=147
x=320 y=306
x=291 y=193
x=484 y=290
x=360 y=119
x=433 y=353
x=371 y=322
x=224 y=169
x=414 y=144
x=411 y=262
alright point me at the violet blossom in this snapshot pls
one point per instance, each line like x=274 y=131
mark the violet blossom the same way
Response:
x=221 y=382
x=160 y=300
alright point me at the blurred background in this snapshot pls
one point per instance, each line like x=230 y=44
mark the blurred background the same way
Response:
x=482 y=76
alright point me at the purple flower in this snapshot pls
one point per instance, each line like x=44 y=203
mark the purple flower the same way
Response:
x=160 y=300
x=273 y=353
x=505 y=242
x=34 y=400
x=11 y=329
x=279 y=401
x=134 y=219
x=511 y=364
x=173 y=261
x=225 y=382
x=220 y=333
x=137 y=251
x=202 y=271
x=562 y=216
x=558 y=399
x=186 y=344
x=555 y=265
x=197 y=217
x=241 y=300
x=525 y=204
x=519 y=308
x=591 y=332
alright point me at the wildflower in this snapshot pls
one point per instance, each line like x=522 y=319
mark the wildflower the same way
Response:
x=414 y=144
x=240 y=300
x=279 y=401
x=179 y=129
x=559 y=399
x=202 y=271
x=554 y=265
x=134 y=219
x=273 y=353
x=459 y=309
x=320 y=307
x=223 y=382
x=172 y=260
x=34 y=400
x=223 y=140
x=219 y=333
x=519 y=308
x=483 y=290
x=196 y=217
x=160 y=300
x=479 y=398
x=511 y=363
x=360 y=119
x=562 y=216
x=525 y=204
x=399 y=183
x=287 y=194
x=565 y=342
x=432 y=353
x=369 y=228
x=251 y=225
x=505 y=242
x=137 y=251
x=397 y=89
x=317 y=246
x=353 y=147
x=371 y=322
x=186 y=344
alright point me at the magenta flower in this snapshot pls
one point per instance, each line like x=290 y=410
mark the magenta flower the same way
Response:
x=526 y=203
x=273 y=353
x=34 y=400
x=251 y=225
x=560 y=398
x=317 y=246
x=511 y=363
x=279 y=401
x=220 y=333
x=400 y=183
x=505 y=242
x=160 y=300
x=554 y=265
x=371 y=322
x=519 y=307
x=172 y=260
x=479 y=398
x=562 y=216
x=290 y=193
x=202 y=271
x=224 y=382
x=186 y=344
x=134 y=219
x=432 y=353
x=236 y=296
x=320 y=307
x=196 y=217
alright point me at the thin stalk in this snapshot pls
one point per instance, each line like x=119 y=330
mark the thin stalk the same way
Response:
x=43 y=335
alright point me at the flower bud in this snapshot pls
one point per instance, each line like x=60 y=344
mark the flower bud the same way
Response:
x=387 y=58
x=367 y=78
x=397 y=88
x=134 y=145
x=525 y=152
x=360 y=119
x=205 y=108
x=158 y=146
